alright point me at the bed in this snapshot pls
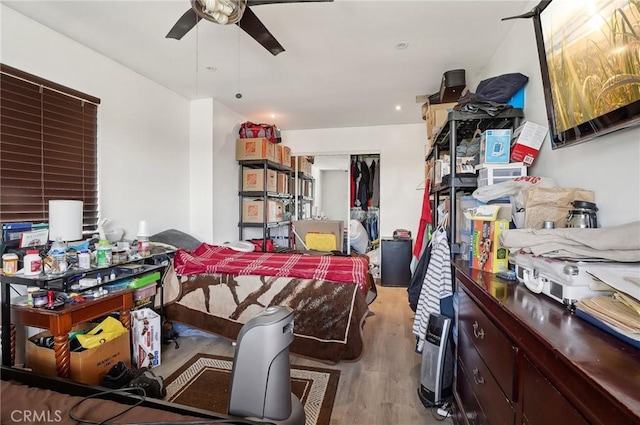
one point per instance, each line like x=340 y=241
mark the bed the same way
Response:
x=217 y=289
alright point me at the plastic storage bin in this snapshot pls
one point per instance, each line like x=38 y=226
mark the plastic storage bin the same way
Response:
x=497 y=173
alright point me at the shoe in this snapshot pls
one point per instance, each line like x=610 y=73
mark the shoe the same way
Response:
x=119 y=376
x=152 y=384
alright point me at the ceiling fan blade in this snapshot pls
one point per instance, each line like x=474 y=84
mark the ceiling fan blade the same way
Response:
x=184 y=24
x=256 y=29
x=259 y=2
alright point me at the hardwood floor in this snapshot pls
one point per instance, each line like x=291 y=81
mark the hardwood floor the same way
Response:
x=379 y=389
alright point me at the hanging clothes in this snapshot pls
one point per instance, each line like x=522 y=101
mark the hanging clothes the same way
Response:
x=363 y=189
x=355 y=176
x=426 y=221
x=375 y=186
x=417 y=278
x=436 y=295
x=372 y=177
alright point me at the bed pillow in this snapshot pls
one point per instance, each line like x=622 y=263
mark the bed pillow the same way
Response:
x=176 y=238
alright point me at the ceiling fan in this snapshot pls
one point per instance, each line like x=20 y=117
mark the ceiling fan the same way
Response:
x=228 y=12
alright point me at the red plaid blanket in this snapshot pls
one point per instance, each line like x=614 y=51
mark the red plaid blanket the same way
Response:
x=213 y=259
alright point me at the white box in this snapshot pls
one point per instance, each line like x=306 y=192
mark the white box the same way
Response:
x=497 y=173
x=494 y=146
x=526 y=142
x=146 y=334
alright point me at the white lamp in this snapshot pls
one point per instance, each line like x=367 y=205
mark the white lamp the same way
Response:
x=65 y=220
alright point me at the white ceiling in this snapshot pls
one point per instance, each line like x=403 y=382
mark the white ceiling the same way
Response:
x=341 y=67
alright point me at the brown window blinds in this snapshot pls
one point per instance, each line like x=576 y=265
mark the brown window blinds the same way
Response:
x=48 y=148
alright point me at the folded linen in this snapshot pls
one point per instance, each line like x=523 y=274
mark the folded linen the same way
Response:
x=615 y=243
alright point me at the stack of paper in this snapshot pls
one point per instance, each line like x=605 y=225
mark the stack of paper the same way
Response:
x=619 y=313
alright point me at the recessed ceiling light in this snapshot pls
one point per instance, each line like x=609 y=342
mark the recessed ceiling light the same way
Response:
x=273 y=115
x=398 y=107
x=402 y=45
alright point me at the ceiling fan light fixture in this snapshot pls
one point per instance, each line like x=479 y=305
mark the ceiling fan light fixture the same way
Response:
x=224 y=12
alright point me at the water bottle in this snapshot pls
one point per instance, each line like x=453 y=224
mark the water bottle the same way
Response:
x=58 y=254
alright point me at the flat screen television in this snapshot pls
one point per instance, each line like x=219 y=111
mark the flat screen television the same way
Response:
x=589 y=55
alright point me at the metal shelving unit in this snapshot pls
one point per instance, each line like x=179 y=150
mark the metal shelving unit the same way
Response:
x=462 y=125
x=287 y=198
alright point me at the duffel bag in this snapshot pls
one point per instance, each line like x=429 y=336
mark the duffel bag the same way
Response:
x=249 y=130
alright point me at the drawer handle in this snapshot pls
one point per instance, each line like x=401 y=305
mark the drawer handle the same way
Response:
x=478 y=333
x=479 y=380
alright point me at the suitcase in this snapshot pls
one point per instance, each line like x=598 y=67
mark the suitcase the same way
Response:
x=453 y=83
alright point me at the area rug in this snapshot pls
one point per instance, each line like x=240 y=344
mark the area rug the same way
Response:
x=203 y=382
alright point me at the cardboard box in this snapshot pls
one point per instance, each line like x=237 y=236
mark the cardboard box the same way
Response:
x=253 y=179
x=437 y=116
x=526 y=142
x=487 y=253
x=283 y=183
x=286 y=155
x=88 y=366
x=304 y=166
x=146 y=334
x=334 y=227
x=255 y=149
x=253 y=211
x=279 y=154
x=494 y=146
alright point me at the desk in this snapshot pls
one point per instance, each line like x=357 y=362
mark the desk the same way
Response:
x=161 y=258
x=60 y=322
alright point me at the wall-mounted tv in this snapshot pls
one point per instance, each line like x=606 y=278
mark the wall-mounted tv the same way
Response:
x=589 y=55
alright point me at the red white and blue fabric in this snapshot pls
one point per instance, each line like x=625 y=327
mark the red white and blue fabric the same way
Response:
x=212 y=259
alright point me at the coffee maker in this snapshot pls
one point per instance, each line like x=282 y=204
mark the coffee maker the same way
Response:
x=582 y=215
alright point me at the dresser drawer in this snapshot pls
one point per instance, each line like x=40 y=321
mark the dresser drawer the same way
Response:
x=471 y=410
x=542 y=403
x=495 y=404
x=494 y=348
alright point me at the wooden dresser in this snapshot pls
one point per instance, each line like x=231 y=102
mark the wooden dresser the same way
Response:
x=522 y=358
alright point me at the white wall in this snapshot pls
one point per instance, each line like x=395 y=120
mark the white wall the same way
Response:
x=226 y=124
x=608 y=165
x=401 y=149
x=201 y=185
x=143 y=128
x=334 y=196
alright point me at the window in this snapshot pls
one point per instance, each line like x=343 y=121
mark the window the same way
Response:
x=48 y=148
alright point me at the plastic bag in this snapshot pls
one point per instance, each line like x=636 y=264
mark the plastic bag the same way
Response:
x=107 y=330
x=512 y=188
x=358 y=237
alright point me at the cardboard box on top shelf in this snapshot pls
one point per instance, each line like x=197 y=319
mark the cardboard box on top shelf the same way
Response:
x=304 y=166
x=253 y=211
x=88 y=366
x=253 y=179
x=437 y=116
x=286 y=155
x=248 y=149
x=279 y=154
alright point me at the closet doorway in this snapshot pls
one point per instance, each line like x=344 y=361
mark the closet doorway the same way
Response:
x=364 y=202
x=334 y=196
